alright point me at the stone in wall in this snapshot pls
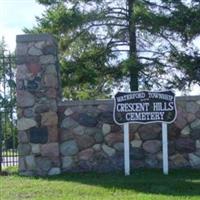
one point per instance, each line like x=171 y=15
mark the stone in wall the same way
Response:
x=38 y=144
x=100 y=145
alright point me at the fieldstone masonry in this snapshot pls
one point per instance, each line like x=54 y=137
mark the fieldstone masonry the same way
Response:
x=56 y=136
x=38 y=92
x=91 y=141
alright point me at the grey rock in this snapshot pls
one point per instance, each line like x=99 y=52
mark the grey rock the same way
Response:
x=198 y=144
x=33 y=51
x=22 y=165
x=67 y=162
x=106 y=128
x=69 y=148
x=151 y=162
x=22 y=72
x=43 y=163
x=92 y=131
x=195 y=124
x=24 y=149
x=98 y=137
x=68 y=112
x=119 y=146
x=25 y=124
x=152 y=146
x=108 y=150
x=35 y=148
x=21 y=49
x=30 y=162
x=51 y=69
x=97 y=147
x=69 y=123
x=136 y=143
x=79 y=130
x=106 y=117
x=22 y=137
x=28 y=112
x=185 y=131
x=51 y=81
x=54 y=171
x=136 y=153
x=25 y=99
x=40 y=44
x=195 y=133
x=194 y=160
x=86 y=120
x=47 y=59
x=49 y=49
x=192 y=107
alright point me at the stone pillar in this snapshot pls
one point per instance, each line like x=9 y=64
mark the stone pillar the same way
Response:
x=38 y=92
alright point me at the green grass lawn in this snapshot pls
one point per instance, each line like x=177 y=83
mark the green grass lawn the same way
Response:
x=141 y=185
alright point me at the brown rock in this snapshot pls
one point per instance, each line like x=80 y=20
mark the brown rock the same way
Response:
x=66 y=134
x=50 y=150
x=84 y=141
x=113 y=138
x=34 y=68
x=51 y=93
x=185 y=145
x=50 y=81
x=152 y=146
x=190 y=117
x=52 y=134
x=181 y=121
x=86 y=154
x=149 y=131
x=173 y=132
x=49 y=119
x=179 y=160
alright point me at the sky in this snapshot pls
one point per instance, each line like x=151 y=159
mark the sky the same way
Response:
x=18 y=14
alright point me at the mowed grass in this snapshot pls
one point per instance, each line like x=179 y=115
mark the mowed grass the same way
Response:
x=141 y=185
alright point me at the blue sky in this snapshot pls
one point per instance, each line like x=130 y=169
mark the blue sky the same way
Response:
x=14 y=16
x=17 y=14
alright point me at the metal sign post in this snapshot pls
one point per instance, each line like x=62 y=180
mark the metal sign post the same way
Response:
x=126 y=150
x=165 y=149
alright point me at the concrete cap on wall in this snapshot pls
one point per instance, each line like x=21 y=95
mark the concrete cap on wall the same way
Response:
x=35 y=37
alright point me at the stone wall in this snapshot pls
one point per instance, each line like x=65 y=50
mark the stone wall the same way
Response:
x=38 y=92
x=91 y=141
x=56 y=136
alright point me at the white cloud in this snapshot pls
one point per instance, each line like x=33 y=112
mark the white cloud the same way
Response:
x=16 y=15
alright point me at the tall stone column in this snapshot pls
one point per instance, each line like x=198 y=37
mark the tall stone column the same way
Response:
x=38 y=92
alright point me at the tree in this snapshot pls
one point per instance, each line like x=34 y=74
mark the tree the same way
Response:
x=106 y=43
x=8 y=131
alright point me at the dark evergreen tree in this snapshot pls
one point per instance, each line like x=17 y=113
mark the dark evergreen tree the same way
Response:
x=105 y=44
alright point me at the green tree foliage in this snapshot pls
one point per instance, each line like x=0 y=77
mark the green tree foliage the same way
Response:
x=104 y=44
x=8 y=132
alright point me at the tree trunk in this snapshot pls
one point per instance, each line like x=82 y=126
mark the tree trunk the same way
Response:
x=133 y=69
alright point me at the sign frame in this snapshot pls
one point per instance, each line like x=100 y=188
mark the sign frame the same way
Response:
x=150 y=122
x=164 y=136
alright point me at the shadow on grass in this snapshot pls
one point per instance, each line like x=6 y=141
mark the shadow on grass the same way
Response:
x=177 y=183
